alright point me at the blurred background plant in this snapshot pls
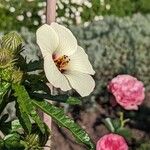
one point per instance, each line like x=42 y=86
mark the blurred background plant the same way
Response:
x=117 y=46
x=31 y=13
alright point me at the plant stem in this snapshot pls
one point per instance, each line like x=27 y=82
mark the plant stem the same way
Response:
x=123 y=122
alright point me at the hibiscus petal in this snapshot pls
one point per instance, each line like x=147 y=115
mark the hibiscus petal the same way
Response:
x=67 y=41
x=54 y=76
x=79 y=61
x=47 y=39
x=81 y=82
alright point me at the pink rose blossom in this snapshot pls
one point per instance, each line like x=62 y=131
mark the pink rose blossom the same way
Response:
x=128 y=91
x=112 y=142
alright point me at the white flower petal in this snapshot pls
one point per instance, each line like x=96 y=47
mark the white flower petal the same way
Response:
x=47 y=39
x=67 y=41
x=54 y=76
x=79 y=61
x=81 y=82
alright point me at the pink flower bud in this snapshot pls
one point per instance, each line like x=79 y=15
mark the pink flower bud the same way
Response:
x=111 y=142
x=128 y=91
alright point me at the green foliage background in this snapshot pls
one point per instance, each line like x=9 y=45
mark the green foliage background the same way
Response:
x=33 y=11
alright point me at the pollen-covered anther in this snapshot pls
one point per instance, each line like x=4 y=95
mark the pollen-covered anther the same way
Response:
x=62 y=62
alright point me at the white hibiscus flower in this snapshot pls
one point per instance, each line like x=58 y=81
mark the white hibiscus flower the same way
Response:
x=66 y=64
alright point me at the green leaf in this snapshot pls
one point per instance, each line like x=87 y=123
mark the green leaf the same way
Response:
x=124 y=132
x=4 y=90
x=109 y=125
x=34 y=65
x=58 y=98
x=27 y=109
x=73 y=101
x=61 y=119
x=12 y=142
x=16 y=126
x=2 y=144
x=37 y=119
x=34 y=85
x=116 y=123
x=11 y=41
x=4 y=86
x=23 y=116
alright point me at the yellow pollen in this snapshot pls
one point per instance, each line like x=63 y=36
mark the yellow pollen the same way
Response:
x=62 y=62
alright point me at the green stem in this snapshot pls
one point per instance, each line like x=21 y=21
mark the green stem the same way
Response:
x=123 y=122
x=121 y=119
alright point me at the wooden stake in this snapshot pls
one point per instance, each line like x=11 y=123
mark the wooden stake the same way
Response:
x=51 y=11
x=50 y=17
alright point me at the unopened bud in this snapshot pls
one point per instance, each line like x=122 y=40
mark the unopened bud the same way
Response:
x=17 y=76
x=6 y=58
x=12 y=41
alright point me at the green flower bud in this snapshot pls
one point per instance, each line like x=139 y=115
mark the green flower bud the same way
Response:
x=36 y=139
x=6 y=74
x=12 y=41
x=32 y=141
x=6 y=58
x=17 y=76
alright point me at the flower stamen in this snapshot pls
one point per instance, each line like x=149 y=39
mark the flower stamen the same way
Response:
x=61 y=62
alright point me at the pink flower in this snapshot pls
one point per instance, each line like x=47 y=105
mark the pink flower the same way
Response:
x=111 y=142
x=128 y=91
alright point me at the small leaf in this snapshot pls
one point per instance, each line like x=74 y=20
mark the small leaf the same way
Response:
x=62 y=120
x=116 y=123
x=34 y=65
x=26 y=107
x=16 y=126
x=124 y=132
x=109 y=125
x=73 y=101
x=11 y=41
